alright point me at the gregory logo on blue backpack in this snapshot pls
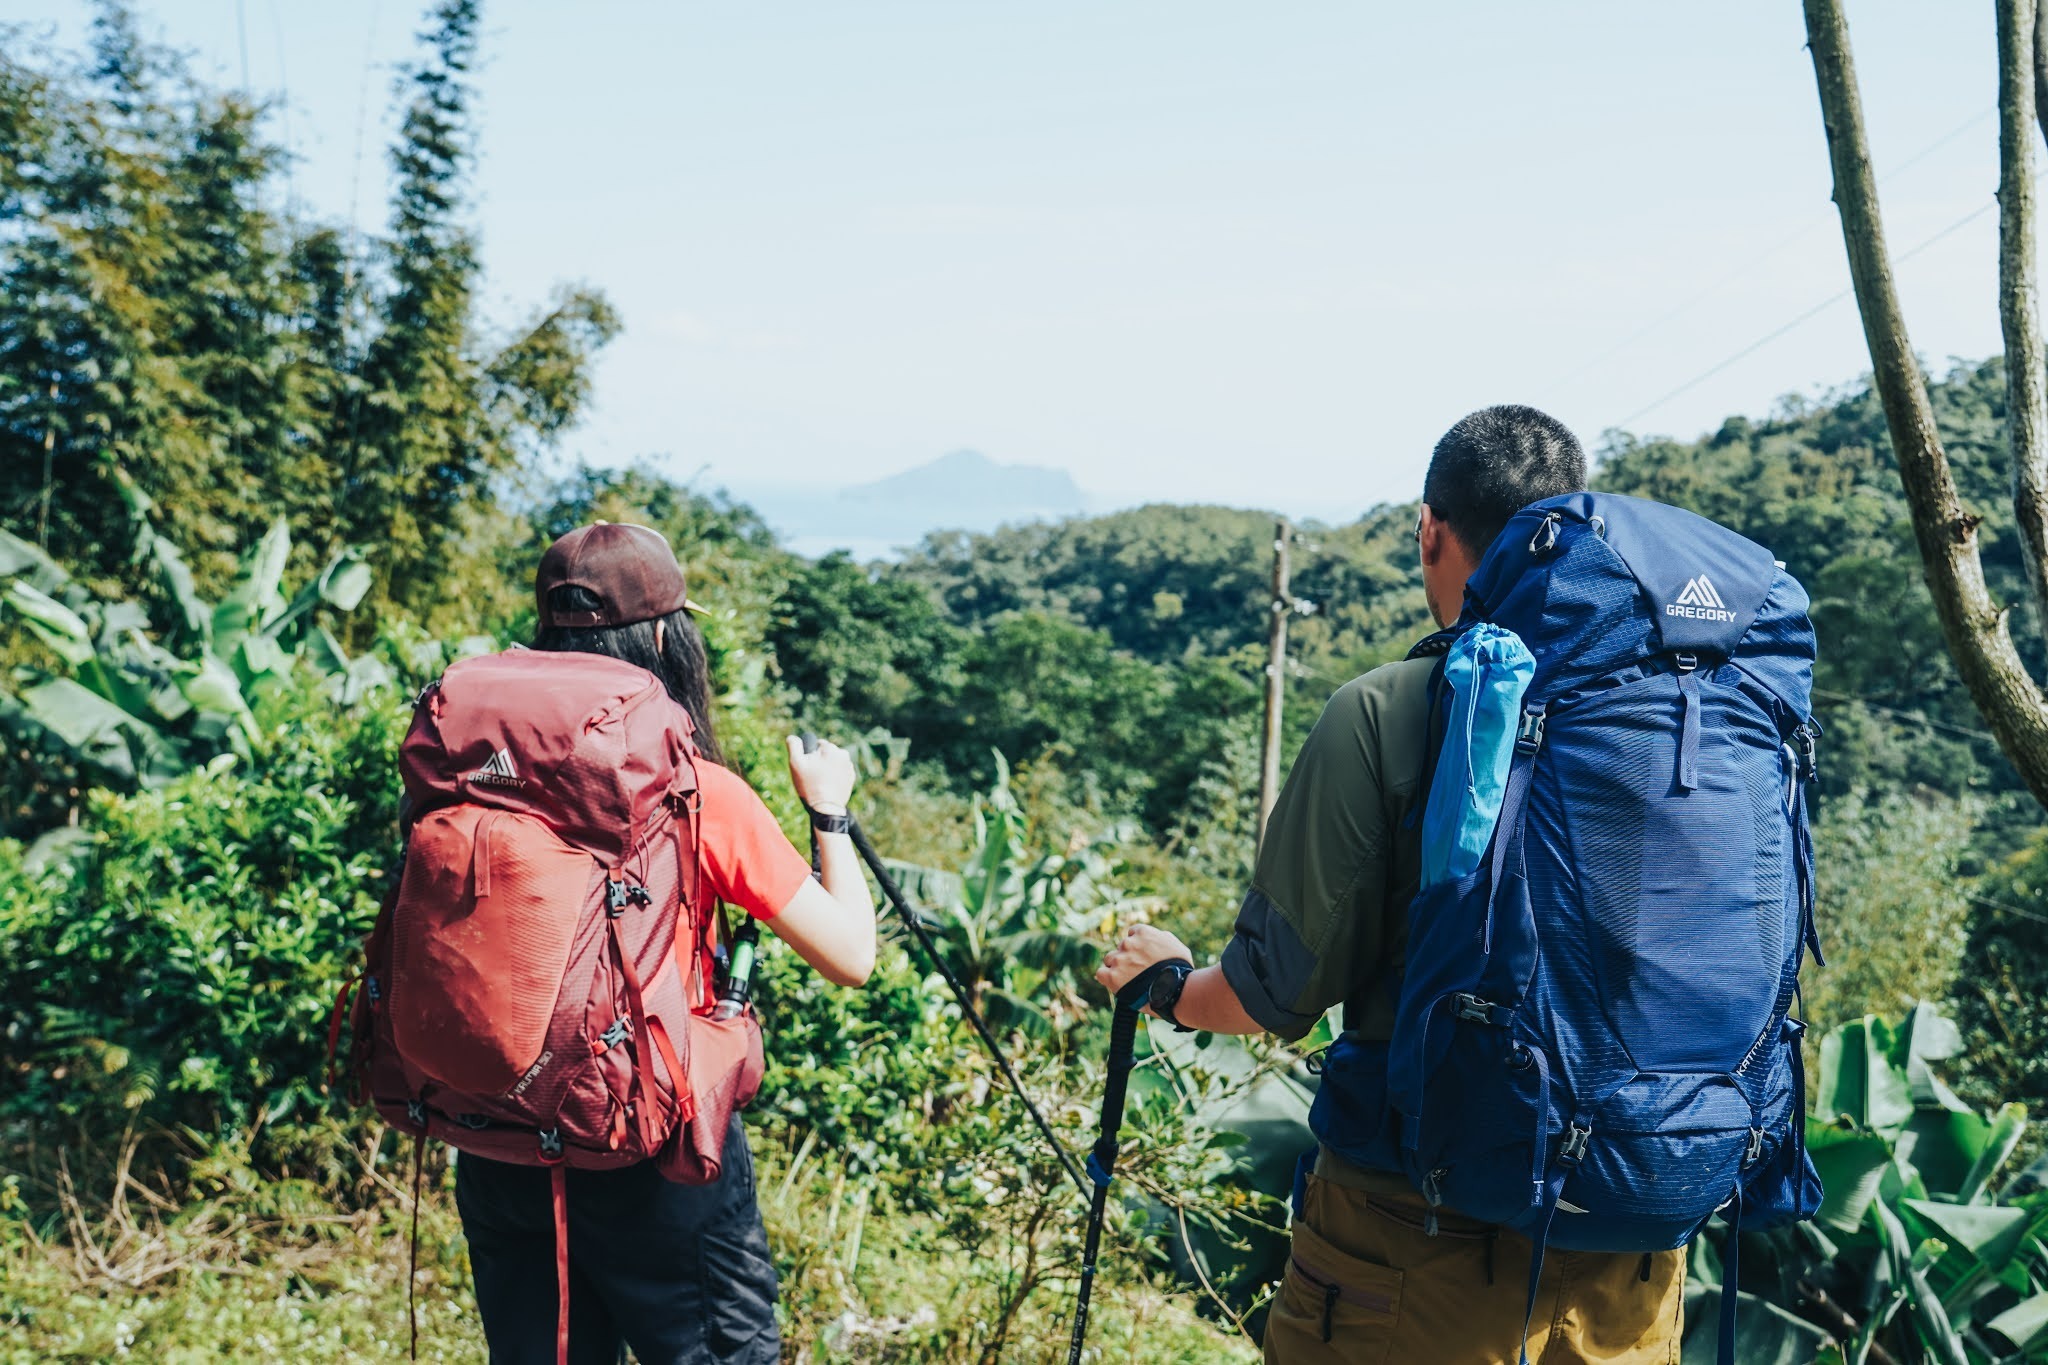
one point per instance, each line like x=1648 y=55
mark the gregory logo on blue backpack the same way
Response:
x=1700 y=599
x=1594 y=1044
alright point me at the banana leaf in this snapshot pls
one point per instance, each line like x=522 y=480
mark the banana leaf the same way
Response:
x=2025 y=1324
x=25 y=562
x=255 y=599
x=55 y=624
x=1930 y=1315
x=341 y=585
x=2006 y=1131
x=1765 y=1334
x=1992 y=1235
x=99 y=733
x=1852 y=1168
x=194 y=622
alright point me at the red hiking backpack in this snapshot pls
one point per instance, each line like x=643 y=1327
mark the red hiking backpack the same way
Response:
x=522 y=994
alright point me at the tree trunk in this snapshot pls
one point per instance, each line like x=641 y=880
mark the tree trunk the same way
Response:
x=2026 y=366
x=1974 y=626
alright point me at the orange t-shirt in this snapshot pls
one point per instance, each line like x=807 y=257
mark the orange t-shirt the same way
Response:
x=747 y=861
x=743 y=856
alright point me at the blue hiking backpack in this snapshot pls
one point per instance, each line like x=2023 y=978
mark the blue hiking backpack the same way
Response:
x=1594 y=1043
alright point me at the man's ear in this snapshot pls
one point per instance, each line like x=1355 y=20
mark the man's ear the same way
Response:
x=1430 y=537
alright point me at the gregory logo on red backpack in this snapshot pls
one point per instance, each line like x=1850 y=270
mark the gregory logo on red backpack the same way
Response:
x=498 y=772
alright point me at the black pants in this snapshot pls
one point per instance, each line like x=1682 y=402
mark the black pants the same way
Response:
x=680 y=1273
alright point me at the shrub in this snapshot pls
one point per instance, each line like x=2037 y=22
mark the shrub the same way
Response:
x=175 y=965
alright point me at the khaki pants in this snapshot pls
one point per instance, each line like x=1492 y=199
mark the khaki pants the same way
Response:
x=1367 y=1286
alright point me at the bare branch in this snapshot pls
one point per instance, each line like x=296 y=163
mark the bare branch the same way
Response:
x=2041 y=66
x=2026 y=365
x=1974 y=626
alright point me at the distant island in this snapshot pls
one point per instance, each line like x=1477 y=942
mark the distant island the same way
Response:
x=964 y=490
x=968 y=488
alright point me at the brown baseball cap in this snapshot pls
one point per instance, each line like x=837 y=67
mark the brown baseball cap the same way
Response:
x=629 y=569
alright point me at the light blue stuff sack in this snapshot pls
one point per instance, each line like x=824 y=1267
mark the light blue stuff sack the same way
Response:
x=1485 y=675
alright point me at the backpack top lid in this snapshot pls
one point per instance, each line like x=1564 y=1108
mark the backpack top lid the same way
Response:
x=590 y=745
x=1595 y=582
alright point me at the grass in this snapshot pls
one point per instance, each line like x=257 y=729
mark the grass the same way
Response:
x=274 y=1271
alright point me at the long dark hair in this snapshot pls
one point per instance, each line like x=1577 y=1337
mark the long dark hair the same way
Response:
x=679 y=661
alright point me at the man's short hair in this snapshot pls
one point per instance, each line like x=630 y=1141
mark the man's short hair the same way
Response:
x=1494 y=463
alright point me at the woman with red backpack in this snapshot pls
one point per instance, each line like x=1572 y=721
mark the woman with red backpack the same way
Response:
x=604 y=1212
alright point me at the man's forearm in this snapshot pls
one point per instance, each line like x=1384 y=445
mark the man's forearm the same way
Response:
x=1207 y=1003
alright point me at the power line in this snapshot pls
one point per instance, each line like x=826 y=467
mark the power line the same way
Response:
x=1806 y=316
x=1737 y=271
x=2034 y=915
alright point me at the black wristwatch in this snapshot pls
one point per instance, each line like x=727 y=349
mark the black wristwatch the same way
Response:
x=1165 y=993
x=830 y=824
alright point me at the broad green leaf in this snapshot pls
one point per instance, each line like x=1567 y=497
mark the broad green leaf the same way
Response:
x=1852 y=1167
x=55 y=624
x=1765 y=1333
x=194 y=621
x=341 y=585
x=323 y=653
x=1928 y=1036
x=1858 y=1077
x=2006 y=1131
x=364 y=675
x=55 y=849
x=1943 y=1145
x=21 y=560
x=1988 y=1233
x=2025 y=1324
x=95 y=729
x=1930 y=1315
x=261 y=660
x=214 y=688
x=254 y=600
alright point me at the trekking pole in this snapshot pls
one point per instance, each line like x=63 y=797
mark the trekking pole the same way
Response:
x=1123 y=1039
x=915 y=922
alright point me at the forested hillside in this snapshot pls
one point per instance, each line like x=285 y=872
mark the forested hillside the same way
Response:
x=261 y=478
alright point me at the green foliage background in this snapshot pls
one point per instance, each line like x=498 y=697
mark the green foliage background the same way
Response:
x=1058 y=724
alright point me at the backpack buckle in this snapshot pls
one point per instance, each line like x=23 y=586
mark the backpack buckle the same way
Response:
x=1808 y=736
x=1756 y=1147
x=615 y=1034
x=1529 y=734
x=1576 y=1139
x=1476 y=1009
x=374 y=988
x=551 y=1144
x=416 y=1110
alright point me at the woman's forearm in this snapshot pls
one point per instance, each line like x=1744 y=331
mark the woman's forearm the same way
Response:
x=839 y=869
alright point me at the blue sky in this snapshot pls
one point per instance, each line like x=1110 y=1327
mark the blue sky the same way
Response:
x=1258 y=254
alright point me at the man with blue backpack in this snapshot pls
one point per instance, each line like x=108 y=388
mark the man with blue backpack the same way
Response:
x=1555 y=868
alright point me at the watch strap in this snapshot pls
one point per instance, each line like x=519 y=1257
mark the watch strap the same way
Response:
x=841 y=823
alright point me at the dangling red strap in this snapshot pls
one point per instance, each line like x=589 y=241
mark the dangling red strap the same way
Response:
x=334 y=1024
x=558 y=1179
x=412 y=1270
x=686 y=1098
x=646 y=1114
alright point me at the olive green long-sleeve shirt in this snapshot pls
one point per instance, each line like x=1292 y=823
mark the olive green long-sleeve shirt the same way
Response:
x=1326 y=919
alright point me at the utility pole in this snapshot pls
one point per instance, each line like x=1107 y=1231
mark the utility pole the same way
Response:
x=49 y=470
x=1276 y=676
